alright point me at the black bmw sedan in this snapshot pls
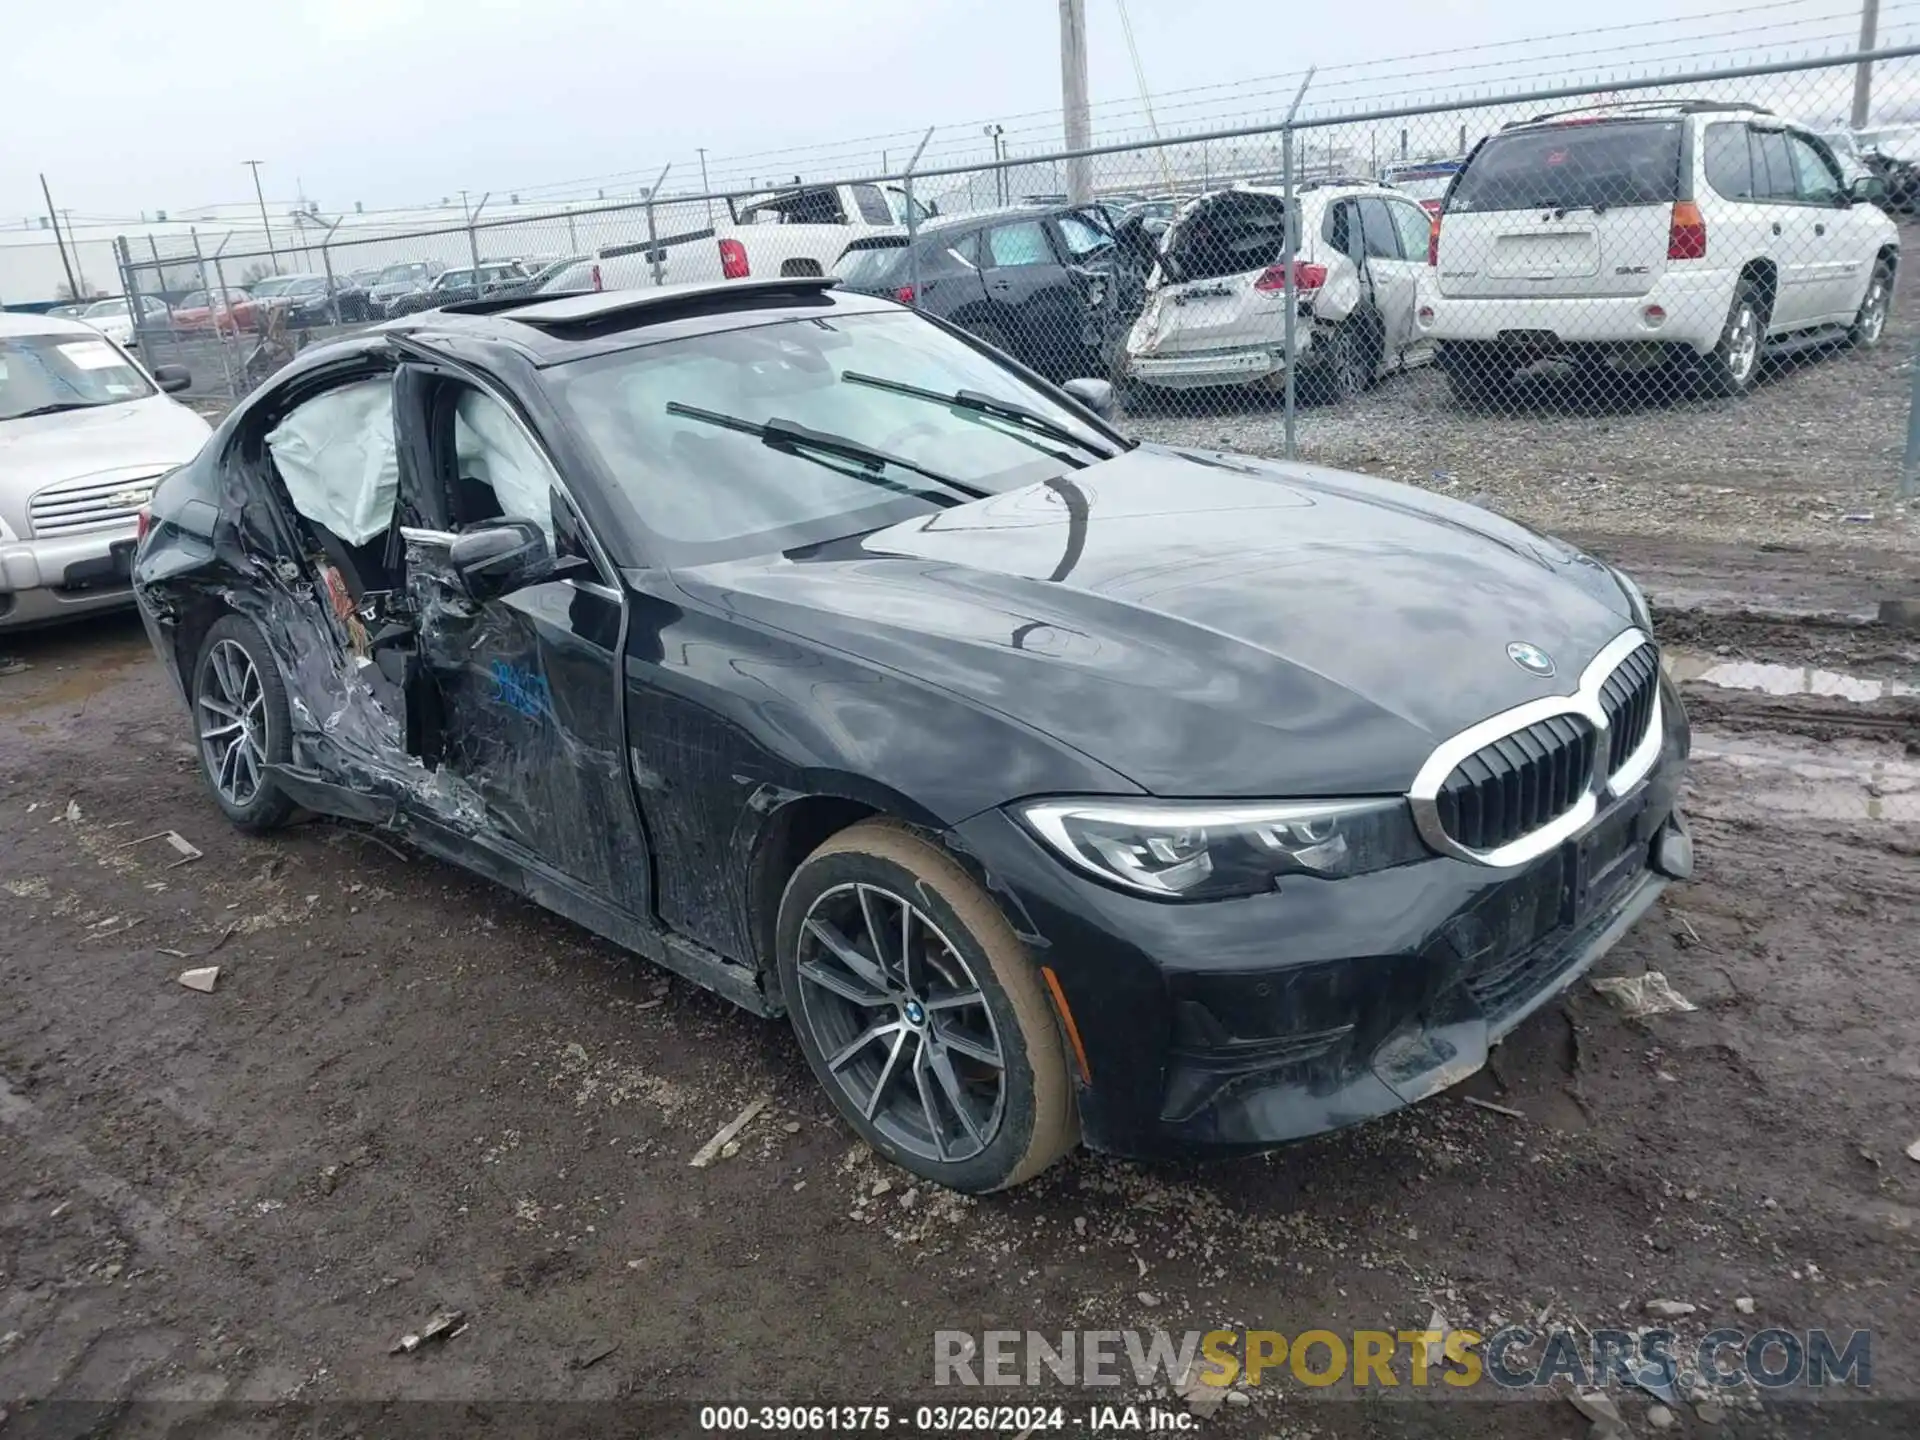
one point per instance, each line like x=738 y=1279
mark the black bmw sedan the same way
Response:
x=1055 y=787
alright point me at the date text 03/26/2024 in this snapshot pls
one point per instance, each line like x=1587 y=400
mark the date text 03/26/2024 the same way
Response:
x=1091 y=1420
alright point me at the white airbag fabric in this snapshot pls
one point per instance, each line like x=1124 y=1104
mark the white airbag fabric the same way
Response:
x=336 y=455
x=492 y=448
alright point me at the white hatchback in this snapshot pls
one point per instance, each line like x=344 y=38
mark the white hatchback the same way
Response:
x=1216 y=305
x=1637 y=234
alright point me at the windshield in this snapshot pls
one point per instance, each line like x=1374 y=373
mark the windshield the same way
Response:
x=871 y=266
x=708 y=493
x=450 y=278
x=61 y=372
x=272 y=285
x=1573 y=166
x=400 y=274
x=116 y=308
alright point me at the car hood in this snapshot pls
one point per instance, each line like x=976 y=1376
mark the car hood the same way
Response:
x=1205 y=624
x=141 y=437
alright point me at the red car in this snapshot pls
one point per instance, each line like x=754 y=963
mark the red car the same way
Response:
x=229 y=310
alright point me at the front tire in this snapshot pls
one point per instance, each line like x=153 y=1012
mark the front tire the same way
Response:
x=921 y=1013
x=241 y=724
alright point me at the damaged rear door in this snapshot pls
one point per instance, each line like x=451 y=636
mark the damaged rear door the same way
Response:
x=519 y=618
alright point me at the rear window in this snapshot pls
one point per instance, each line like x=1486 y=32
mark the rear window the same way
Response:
x=1577 y=166
x=871 y=265
x=1226 y=234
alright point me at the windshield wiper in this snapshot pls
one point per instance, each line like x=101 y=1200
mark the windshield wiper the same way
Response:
x=56 y=408
x=975 y=403
x=789 y=435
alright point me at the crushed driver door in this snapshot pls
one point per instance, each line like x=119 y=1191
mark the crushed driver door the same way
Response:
x=526 y=734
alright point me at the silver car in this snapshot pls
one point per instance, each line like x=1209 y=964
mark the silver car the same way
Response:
x=85 y=432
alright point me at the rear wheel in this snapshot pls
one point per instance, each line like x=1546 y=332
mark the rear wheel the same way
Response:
x=921 y=1013
x=1733 y=365
x=1870 y=325
x=241 y=723
x=1351 y=362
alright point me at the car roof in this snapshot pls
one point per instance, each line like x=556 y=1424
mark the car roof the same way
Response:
x=554 y=329
x=1629 y=110
x=18 y=322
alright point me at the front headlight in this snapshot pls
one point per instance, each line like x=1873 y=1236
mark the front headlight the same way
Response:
x=1190 y=850
x=1636 y=601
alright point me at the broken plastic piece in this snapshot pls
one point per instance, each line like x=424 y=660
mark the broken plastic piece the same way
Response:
x=706 y=1153
x=1640 y=995
x=440 y=1325
x=202 y=978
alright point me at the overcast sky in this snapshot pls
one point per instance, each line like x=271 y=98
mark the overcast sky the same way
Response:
x=129 y=105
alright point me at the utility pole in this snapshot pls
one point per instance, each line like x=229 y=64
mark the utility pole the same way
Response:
x=1863 y=72
x=79 y=264
x=261 y=196
x=53 y=219
x=1073 y=98
x=704 y=185
x=993 y=133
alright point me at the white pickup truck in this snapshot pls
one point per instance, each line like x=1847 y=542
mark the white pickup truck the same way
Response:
x=800 y=230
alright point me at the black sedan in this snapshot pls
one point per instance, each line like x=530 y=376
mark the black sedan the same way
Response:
x=1054 y=786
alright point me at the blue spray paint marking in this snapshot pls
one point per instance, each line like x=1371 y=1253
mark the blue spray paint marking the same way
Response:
x=520 y=690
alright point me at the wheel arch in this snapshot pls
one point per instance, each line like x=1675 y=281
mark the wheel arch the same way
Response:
x=1764 y=276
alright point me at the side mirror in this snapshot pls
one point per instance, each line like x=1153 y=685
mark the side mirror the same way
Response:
x=172 y=379
x=504 y=556
x=1870 y=188
x=1096 y=395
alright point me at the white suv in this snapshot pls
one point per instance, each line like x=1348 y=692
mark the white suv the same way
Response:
x=1216 y=304
x=1636 y=234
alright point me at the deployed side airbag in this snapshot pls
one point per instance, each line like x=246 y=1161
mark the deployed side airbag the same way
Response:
x=336 y=455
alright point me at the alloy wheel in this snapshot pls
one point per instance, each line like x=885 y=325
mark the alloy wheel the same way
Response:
x=1743 y=343
x=232 y=708
x=901 y=1022
x=1874 y=318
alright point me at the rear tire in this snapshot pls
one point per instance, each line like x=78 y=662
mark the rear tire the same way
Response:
x=1870 y=325
x=1351 y=363
x=1732 y=367
x=241 y=724
x=930 y=1031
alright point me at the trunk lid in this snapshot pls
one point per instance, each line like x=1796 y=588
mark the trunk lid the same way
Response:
x=1214 y=254
x=1565 y=210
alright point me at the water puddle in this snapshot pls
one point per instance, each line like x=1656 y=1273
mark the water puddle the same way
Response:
x=1691 y=665
x=1833 y=780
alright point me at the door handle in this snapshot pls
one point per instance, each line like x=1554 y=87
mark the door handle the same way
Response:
x=1776 y=227
x=1820 y=229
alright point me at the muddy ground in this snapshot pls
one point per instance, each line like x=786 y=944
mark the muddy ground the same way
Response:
x=413 y=1091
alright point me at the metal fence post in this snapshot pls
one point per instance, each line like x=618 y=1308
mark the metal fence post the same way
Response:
x=1291 y=245
x=326 y=261
x=913 y=221
x=1910 y=463
x=654 y=261
x=473 y=241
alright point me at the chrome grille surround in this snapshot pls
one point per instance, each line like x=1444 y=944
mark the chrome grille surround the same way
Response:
x=1586 y=703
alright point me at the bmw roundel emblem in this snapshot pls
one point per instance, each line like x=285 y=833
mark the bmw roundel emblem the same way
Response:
x=1530 y=658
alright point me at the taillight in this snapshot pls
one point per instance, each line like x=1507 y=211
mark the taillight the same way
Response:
x=143 y=522
x=1305 y=277
x=596 y=279
x=1687 y=235
x=733 y=260
x=904 y=294
x=1433 y=240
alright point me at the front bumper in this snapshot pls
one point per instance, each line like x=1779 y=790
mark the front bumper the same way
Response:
x=1243 y=1024
x=43 y=582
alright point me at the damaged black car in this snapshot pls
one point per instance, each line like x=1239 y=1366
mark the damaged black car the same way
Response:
x=1055 y=787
